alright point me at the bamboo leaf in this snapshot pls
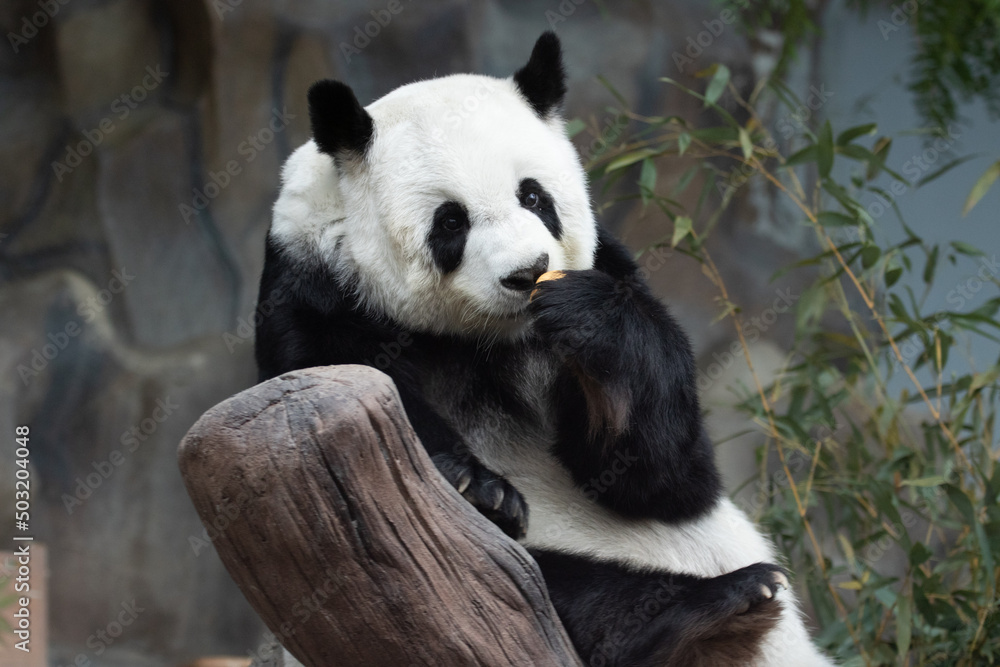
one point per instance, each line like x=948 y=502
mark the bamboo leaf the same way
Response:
x=984 y=183
x=629 y=158
x=967 y=249
x=682 y=227
x=870 y=255
x=683 y=141
x=904 y=624
x=850 y=134
x=919 y=554
x=717 y=85
x=835 y=219
x=647 y=180
x=807 y=154
x=931 y=266
x=945 y=169
x=746 y=144
x=892 y=275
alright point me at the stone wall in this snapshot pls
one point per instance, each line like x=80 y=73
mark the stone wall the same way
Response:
x=142 y=141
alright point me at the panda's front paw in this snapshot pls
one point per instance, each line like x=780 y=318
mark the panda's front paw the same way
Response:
x=745 y=590
x=576 y=311
x=491 y=494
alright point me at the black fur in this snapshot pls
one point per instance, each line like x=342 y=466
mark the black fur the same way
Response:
x=629 y=367
x=619 y=615
x=543 y=80
x=448 y=234
x=543 y=205
x=339 y=122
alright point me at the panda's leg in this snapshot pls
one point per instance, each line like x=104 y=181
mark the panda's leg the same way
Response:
x=488 y=492
x=618 y=616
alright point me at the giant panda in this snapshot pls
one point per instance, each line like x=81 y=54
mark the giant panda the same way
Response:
x=410 y=235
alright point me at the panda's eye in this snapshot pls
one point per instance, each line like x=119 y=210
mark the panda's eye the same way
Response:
x=535 y=198
x=451 y=218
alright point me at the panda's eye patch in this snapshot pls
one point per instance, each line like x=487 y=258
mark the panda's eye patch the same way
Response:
x=447 y=236
x=532 y=196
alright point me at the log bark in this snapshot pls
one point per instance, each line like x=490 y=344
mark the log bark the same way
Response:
x=334 y=523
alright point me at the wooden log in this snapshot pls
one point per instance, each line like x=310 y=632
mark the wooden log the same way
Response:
x=330 y=516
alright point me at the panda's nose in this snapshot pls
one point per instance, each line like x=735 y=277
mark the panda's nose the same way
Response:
x=524 y=279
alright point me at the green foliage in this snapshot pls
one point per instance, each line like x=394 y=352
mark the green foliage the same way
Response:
x=882 y=435
x=957 y=45
x=957 y=59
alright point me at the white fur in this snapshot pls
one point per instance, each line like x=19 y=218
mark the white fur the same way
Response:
x=472 y=139
x=562 y=517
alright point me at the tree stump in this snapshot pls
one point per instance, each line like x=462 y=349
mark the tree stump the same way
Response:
x=333 y=521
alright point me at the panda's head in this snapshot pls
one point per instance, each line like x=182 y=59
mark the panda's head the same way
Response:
x=443 y=201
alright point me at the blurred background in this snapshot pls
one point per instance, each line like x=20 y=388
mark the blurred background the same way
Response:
x=141 y=143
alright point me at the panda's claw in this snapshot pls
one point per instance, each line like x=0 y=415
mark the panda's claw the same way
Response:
x=487 y=491
x=743 y=591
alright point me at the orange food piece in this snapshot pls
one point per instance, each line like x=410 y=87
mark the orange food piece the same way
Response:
x=548 y=275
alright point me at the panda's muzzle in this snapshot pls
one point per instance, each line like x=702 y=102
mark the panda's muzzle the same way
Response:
x=524 y=279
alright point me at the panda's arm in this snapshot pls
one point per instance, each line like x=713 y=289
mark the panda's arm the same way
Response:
x=642 y=449
x=304 y=319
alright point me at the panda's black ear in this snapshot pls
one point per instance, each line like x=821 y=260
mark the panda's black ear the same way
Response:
x=543 y=80
x=339 y=123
